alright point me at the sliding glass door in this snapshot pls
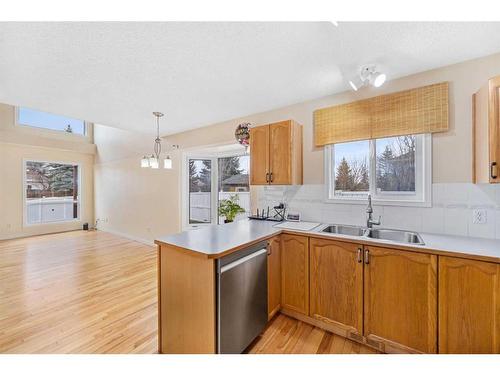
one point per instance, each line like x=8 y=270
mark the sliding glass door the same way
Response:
x=211 y=179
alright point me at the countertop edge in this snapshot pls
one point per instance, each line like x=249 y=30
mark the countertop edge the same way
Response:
x=370 y=242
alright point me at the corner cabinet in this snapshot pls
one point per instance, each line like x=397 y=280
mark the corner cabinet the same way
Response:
x=276 y=154
x=486 y=133
x=273 y=277
x=469 y=306
x=295 y=273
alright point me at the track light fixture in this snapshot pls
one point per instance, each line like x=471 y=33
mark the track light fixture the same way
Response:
x=368 y=76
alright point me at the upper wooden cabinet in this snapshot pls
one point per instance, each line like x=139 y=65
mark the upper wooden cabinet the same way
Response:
x=295 y=273
x=273 y=276
x=276 y=154
x=469 y=306
x=486 y=133
x=400 y=300
x=336 y=275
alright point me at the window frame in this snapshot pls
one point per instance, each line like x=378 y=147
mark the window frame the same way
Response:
x=80 y=195
x=50 y=131
x=213 y=156
x=423 y=178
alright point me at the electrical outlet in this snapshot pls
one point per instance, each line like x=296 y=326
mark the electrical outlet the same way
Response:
x=479 y=217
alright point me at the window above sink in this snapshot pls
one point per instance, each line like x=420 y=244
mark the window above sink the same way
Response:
x=394 y=170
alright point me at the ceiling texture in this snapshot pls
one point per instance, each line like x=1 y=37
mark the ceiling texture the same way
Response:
x=116 y=74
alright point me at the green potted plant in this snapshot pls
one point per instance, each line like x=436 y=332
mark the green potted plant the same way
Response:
x=229 y=208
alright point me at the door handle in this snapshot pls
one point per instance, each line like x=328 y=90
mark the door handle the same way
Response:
x=269 y=249
x=267 y=177
x=271 y=176
x=360 y=256
x=493 y=165
x=367 y=256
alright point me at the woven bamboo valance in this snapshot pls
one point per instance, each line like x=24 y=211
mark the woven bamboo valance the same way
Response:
x=415 y=111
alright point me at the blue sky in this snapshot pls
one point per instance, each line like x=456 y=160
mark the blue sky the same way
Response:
x=46 y=120
x=244 y=164
x=351 y=151
x=359 y=150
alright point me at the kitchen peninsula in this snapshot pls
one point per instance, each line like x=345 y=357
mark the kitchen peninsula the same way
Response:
x=377 y=292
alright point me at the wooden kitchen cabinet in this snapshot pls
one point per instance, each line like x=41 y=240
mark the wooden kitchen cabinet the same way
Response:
x=276 y=154
x=295 y=273
x=400 y=300
x=469 y=306
x=259 y=155
x=336 y=285
x=486 y=133
x=274 y=276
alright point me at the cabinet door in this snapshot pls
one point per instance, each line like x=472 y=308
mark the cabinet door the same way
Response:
x=259 y=155
x=400 y=300
x=494 y=128
x=295 y=273
x=274 y=277
x=337 y=284
x=281 y=153
x=469 y=306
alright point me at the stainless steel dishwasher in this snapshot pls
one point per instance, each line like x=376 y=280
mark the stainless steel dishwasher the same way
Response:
x=241 y=298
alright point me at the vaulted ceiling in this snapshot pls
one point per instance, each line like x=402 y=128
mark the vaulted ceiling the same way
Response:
x=116 y=74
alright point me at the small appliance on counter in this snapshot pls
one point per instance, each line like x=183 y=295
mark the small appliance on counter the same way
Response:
x=293 y=216
x=278 y=213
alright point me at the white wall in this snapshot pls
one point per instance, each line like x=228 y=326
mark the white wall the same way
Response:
x=23 y=143
x=452 y=158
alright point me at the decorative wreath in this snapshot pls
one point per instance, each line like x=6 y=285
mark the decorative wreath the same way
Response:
x=242 y=134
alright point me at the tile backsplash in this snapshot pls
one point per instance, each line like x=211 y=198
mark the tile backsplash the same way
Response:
x=451 y=212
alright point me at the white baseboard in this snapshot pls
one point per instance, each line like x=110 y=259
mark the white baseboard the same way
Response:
x=133 y=238
x=27 y=235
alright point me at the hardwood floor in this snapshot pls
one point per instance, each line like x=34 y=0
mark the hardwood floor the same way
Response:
x=77 y=292
x=94 y=292
x=285 y=335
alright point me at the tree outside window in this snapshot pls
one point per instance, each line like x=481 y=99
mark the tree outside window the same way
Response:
x=394 y=166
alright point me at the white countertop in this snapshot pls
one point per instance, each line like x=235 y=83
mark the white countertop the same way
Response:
x=215 y=241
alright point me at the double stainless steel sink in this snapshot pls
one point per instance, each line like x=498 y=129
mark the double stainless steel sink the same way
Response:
x=390 y=235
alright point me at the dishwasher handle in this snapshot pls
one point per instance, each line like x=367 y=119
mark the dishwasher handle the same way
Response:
x=236 y=263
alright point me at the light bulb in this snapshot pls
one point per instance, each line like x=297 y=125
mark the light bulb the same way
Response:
x=167 y=163
x=145 y=162
x=153 y=162
x=378 y=79
x=354 y=87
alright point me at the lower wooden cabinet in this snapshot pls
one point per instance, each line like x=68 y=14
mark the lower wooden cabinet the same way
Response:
x=295 y=273
x=400 y=300
x=274 y=276
x=388 y=298
x=469 y=306
x=336 y=280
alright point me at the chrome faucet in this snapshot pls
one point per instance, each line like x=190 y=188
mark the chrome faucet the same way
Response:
x=369 y=210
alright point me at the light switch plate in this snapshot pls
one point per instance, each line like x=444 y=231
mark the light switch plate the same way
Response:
x=479 y=216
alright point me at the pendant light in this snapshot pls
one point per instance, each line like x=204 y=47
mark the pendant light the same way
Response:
x=167 y=163
x=153 y=161
x=145 y=162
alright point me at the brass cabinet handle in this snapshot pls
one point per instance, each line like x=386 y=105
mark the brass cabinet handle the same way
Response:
x=271 y=176
x=360 y=256
x=267 y=177
x=367 y=256
x=493 y=165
